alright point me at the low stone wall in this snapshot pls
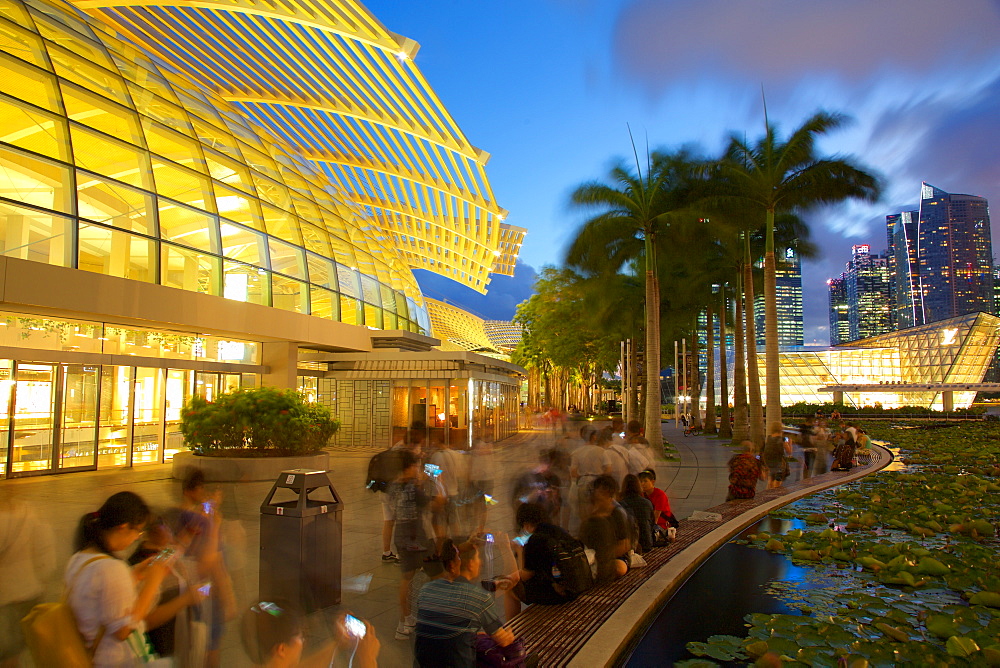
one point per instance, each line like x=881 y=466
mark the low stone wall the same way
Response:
x=245 y=469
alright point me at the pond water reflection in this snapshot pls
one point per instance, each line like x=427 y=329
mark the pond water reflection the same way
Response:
x=730 y=584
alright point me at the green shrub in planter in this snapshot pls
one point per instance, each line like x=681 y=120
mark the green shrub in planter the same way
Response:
x=257 y=422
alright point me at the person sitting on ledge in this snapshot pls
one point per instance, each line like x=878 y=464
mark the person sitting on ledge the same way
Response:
x=534 y=582
x=607 y=530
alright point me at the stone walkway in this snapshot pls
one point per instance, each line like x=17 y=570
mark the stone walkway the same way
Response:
x=696 y=482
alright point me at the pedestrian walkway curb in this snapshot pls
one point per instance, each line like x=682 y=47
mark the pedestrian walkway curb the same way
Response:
x=613 y=640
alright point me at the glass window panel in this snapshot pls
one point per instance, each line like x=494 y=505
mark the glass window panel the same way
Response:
x=188 y=226
x=17 y=13
x=155 y=107
x=32 y=129
x=241 y=243
x=288 y=294
x=306 y=209
x=238 y=126
x=343 y=253
x=31 y=235
x=90 y=76
x=102 y=154
x=116 y=253
x=196 y=105
x=42 y=11
x=142 y=72
x=217 y=138
x=282 y=225
x=316 y=240
x=237 y=207
x=349 y=281
x=322 y=271
x=89 y=50
x=29 y=83
x=388 y=298
x=273 y=192
x=36 y=181
x=373 y=316
x=259 y=161
x=388 y=320
x=147 y=430
x=350 y=311
x=183 y=185
x=113 y=433
x=112 y=203
x=287 y=259
x=101 y=114
x=245 y=283
x=34 y=410
x=180 y=383
x=19 y=42
x=228 y=171
x=369 y=291
x=189 y=270
x=173 y=146
x=324 y=303
x=78 y=433
x=206 y=385
x=401 y=306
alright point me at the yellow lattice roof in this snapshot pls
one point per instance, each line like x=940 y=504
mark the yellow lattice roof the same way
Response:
x=460 y=330
x=332 y=80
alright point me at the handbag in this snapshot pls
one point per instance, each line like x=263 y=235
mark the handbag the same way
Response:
x=52 y=636
x=491 y=655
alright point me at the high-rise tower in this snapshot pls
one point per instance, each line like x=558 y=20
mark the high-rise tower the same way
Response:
x=840 y=324
x=867 y=287
x=788 y=295
x=943 y=264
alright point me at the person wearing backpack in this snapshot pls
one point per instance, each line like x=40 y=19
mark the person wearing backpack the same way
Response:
x=383 y=470
x=539 y=580
x=109 y=601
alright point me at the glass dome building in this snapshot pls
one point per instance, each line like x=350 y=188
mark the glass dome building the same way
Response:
x=161 y=236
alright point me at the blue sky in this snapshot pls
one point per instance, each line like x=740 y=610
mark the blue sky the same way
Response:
x=548 y=87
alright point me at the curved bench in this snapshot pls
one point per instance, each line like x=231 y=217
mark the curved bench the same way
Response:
x=601 y=626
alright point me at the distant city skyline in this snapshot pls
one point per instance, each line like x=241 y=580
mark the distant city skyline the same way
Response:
x=938 y=264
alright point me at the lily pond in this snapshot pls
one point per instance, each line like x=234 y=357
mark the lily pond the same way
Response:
x=900 y=567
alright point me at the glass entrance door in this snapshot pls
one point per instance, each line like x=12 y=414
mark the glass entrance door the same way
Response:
x=78 y=422
x=32 y=446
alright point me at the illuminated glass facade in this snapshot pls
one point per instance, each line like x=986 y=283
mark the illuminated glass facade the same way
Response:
x=840 y=321
x=241 y=227
x=867 y=285
x=956 y=350
x=788 y=295
x=947 y=258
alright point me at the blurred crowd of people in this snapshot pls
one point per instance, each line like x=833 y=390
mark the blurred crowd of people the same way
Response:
x=593 y=491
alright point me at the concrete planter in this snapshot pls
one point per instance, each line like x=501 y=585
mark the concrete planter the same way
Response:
x=245 y=469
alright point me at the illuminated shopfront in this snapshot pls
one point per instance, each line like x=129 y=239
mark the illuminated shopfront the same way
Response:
x=57 y=417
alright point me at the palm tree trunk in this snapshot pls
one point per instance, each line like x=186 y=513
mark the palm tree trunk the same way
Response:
x=753 y=372
x=654 y=432
x=633 y=382
x=710 y=368
x=725 y=429
x=694 y=375
x=741 y=430
x=771 y=327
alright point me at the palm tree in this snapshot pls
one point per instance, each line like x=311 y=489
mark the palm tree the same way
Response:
x=774 y=175
x=634 y=209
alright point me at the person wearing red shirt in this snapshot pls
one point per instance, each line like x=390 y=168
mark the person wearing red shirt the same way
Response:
x=661 y=504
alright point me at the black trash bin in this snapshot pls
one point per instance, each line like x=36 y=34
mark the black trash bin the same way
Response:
x=301 y=536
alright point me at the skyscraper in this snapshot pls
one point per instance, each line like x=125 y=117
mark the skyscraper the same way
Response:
x=867 y=287
x=788 y=295
x=840 y=324
x=904 y=284
x=943 y=265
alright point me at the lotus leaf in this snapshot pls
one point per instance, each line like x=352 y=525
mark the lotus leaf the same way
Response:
x=959 y=646
x=990 y=598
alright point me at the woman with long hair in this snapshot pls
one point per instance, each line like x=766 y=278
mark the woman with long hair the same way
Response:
x=109 y=600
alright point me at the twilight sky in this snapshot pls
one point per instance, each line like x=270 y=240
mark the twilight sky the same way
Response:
x=548 y=86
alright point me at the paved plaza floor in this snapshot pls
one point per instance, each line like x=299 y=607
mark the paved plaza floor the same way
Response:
x=696 y=481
